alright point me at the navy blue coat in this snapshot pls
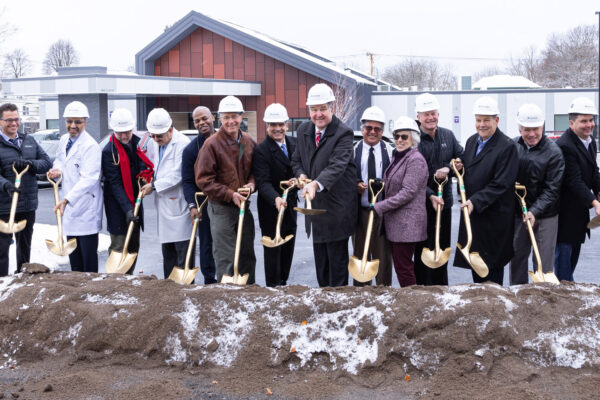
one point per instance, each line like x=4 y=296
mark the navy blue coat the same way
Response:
x=188 y=177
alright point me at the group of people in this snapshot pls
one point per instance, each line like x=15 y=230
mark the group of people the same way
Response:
x=323 y=165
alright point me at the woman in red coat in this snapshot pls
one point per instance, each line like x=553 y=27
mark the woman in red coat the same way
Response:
x=403 y=210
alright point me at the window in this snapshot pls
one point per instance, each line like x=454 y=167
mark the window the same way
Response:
x=52 y=124
x=294 y=124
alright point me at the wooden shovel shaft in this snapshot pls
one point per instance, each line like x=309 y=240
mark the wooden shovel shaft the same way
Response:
x=374 y=196
x=136 y=209
x=15 y=195
x=536 y=251
x=463 y=199
x=238 y=239
x=280 y=214
x=191 y=245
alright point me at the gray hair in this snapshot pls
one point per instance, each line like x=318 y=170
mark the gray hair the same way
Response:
x=416 y=137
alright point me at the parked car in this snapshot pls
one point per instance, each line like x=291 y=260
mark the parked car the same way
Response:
x=46 y=134
x=51 y=148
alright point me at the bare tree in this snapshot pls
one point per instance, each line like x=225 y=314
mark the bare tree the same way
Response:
x=346 y=105
x=528 y=65
x=490 y=70
x=17 y=64
x=425 y=74
x=60 y=54
x=6 y=29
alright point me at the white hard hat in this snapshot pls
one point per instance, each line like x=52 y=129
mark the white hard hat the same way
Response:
x=373 y=114
x=76 y=109
x=405 y=124
x=121 y=120
x=583 y=105
x=426 y=102
x=319 y=94
x=275 y=113
x=530 y=116
x=230 y=104
x=486 y=106
x=159 y=121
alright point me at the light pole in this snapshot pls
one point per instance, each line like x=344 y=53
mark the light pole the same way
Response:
x=598 y=119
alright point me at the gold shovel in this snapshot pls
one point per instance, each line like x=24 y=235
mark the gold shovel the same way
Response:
x=278 y=240
x=538 y=275
x=594 y=222
x=436 y=258
x=474 y=259
x=308 y=203
x=59 y=247
x=238 y=279
x=120 y=262
x=363 y=270
x=187 y=275
x=11 y=226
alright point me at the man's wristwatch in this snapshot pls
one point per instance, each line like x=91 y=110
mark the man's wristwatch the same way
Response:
x=191 y=205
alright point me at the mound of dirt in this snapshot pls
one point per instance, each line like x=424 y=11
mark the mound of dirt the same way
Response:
x=70 y=335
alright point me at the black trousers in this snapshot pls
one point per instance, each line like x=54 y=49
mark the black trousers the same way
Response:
x=22 y=238
x=174 y=255
x=85 y=257
x=207 y=261
x=278 y=261
x=434 y=276
x=331 y=261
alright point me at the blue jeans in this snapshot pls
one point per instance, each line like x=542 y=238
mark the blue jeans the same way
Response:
x=566 y=256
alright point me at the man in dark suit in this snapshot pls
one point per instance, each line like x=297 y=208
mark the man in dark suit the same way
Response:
x=372 y=157
x=271 y=165
x=580 y=186
x=491 y=164
x=325 y=155
x=205 y=124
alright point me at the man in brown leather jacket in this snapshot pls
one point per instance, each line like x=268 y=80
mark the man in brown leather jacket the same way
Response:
x=223 y=166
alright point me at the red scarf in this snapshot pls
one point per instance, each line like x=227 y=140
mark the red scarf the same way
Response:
x=126 y=172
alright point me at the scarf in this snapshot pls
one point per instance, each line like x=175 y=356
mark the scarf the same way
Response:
x=126 y=172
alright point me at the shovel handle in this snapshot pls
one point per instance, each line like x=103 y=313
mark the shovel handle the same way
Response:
x=536 y=251
x=375 y=195
x=200 y=206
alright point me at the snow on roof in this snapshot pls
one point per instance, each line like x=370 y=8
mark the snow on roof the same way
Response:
x=504 y=82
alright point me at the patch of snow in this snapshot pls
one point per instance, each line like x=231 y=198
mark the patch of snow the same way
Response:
x=74 y=332
x=450 y=301
x=174 y=349
x=117 y=299
x=509 y=306
x=24 y=307
x=7 y=287
x=189 y=319
x=58 y=299
x=482 y=324
x=481 y=352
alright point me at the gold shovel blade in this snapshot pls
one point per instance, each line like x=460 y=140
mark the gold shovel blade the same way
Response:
x=361 y=274
x=434 y=259
x=235 y=279
x=475 y=261
x=310 y=211
x=119 y=263
x=64 y=250
x=15 y=227
x=268 y=242
x=180 y=275
x=536 y=276
x=594 y=223
x=550 y=277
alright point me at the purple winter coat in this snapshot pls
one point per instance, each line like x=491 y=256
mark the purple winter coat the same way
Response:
x=403 y=210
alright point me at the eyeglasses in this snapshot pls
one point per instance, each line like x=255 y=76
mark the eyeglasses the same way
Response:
x=403 y=136
x=75 y=121
x=11 y=120
x=157 y=136
x=375 y=129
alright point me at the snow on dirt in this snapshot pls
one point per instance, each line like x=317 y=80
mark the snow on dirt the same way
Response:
x=141 y=337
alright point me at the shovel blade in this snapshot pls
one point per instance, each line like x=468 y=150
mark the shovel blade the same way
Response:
x=537 y=276
x=15 y=227
x=594 y=223
x=64 y=250
x=119 y=263
x=435 y=259
x=550 y=277
x=361 y=274
x=181 y=275
x=310 y=211
x=268 y=242
x=235 y=279
x=475 y=261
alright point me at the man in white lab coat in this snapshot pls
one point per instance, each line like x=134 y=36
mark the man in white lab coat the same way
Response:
x=174 y=225
x=78 y=160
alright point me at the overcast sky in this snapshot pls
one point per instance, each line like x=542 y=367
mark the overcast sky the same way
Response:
x=470 y=34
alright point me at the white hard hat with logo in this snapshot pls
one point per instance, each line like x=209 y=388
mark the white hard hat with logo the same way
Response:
x=426 y=102
x=583 y=105
x=230 y=104
x=275 y=113
x=405 y=124
x=530 y=116
x=159 y=121
x=486 y=106
x=319 y=94
x=76 y=109
x=373 y=113
x=121 y=120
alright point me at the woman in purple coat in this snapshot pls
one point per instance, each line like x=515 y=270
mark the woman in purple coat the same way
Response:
x=403 y=209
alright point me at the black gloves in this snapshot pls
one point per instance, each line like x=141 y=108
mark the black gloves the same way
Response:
x=132 y=218
x=21 y=164
x=11 y=188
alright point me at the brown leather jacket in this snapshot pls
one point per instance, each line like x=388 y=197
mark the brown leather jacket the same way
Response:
x=218 y=172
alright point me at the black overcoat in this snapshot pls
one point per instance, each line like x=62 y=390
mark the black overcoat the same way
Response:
x=332 y=165
x=490 y=185
x=271 y=166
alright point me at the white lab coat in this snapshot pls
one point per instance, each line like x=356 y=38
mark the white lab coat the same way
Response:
x=81 y=173
x=173 y=217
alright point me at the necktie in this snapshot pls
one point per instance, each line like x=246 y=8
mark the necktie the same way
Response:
x=371 y=168
x=318 y=138
x=591 y=150
x=69 y=145
x=161 y=151
x=285 y=150
x=14 y=141
x=480 y=145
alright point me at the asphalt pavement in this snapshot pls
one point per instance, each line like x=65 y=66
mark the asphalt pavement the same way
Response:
x=303 y=270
